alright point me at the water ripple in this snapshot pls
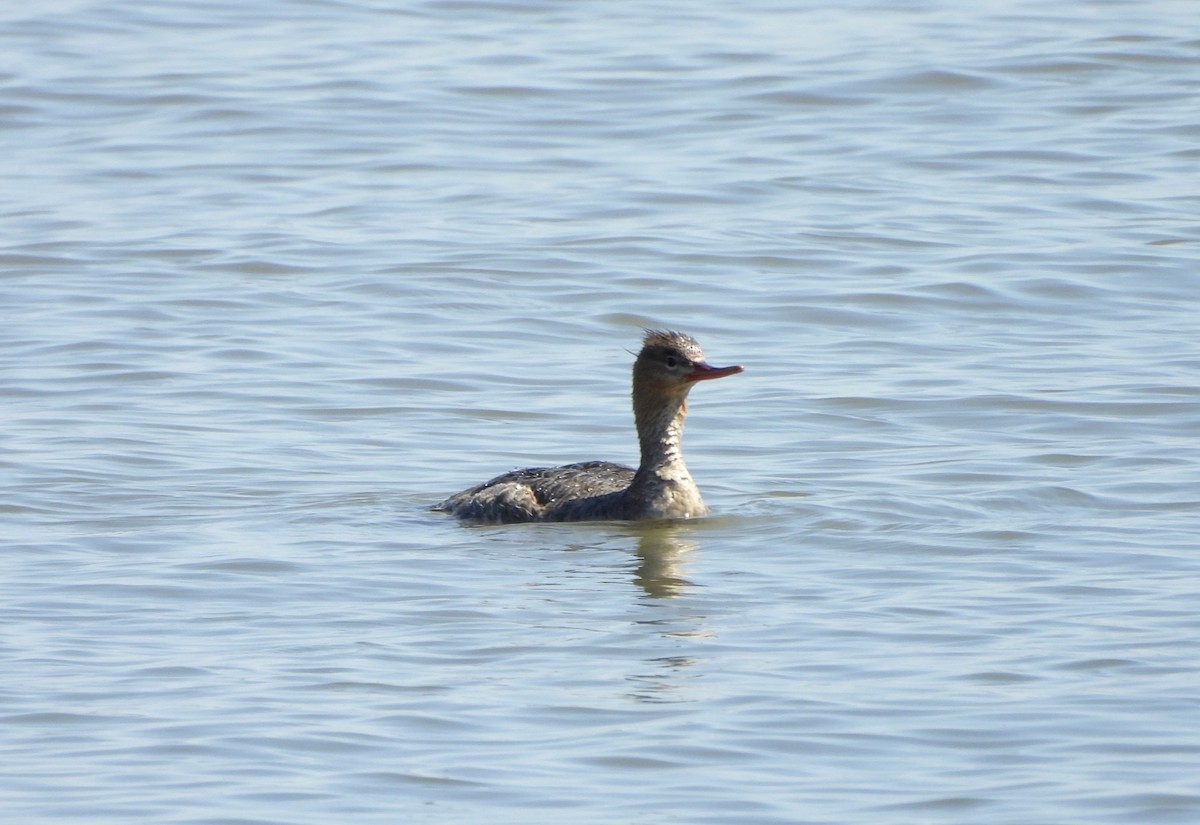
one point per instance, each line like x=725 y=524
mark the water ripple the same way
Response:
x=279 y=279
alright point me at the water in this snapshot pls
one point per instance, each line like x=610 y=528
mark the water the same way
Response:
x=277 y=277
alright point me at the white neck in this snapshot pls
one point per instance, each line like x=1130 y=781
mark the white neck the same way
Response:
x=663 y=488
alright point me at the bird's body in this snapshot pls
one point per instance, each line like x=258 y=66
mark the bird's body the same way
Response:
x=667 y=367
x=589 y=490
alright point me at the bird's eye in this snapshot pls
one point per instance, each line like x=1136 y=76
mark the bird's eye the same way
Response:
x=672 y=361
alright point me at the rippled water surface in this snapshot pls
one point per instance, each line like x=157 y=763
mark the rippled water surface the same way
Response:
x=277 y=277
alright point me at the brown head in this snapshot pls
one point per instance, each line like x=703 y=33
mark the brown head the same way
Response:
x=670 y=363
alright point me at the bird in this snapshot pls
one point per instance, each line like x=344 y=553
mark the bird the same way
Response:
x=667 y=367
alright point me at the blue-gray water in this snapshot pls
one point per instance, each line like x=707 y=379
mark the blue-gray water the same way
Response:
x=278 y=276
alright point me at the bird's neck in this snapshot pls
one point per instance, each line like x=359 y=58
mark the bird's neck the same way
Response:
x=660 y=433
x=661 y=487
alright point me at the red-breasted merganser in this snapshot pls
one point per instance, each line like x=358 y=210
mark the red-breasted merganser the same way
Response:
x=669 y=364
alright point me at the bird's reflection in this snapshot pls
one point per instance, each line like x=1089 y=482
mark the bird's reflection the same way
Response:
x=660 y=551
